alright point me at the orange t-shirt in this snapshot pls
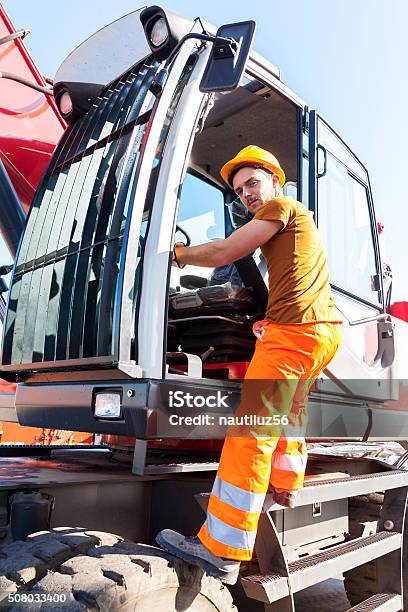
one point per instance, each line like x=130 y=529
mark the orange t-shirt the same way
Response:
x=299 y=289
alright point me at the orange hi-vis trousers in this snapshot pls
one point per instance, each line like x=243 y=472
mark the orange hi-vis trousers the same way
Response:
x=287 y=360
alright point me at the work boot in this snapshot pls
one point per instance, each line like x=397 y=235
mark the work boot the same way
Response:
x=190 y=549
x=282 y=497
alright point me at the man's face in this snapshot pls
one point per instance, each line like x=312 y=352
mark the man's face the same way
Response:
x=255 y=187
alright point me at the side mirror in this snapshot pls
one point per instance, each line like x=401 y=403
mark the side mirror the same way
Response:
x=227 y=61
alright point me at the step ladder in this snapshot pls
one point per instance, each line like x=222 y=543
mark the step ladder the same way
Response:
x=319 y=567
x=279 y=579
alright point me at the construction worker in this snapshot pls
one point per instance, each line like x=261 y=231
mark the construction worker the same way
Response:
x=295 y=342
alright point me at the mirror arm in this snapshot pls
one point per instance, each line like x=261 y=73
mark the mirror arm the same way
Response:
x=223 y=47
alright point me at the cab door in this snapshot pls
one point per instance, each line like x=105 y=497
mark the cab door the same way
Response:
x=340 y=196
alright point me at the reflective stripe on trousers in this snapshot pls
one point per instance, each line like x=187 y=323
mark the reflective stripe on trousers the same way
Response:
x=249 y=463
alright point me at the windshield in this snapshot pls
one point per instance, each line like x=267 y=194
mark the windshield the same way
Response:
x=67 y=266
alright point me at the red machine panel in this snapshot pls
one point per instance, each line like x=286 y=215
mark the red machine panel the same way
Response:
x=30 y=124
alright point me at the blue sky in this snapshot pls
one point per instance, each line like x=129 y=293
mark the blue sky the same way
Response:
x=346 y=59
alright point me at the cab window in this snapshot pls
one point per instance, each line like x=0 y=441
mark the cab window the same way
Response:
x=344 y=218
x=201 y=217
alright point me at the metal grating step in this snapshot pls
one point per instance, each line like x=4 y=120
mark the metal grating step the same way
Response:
x=331 y=489
x=317 y=568
x=339 y=488
x=383 y=602
x=173 y=467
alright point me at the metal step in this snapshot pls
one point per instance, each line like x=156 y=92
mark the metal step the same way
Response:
x=41 y=450
x=330 y=489
x=174 y=467
x=155 y=462
x=315 y=568
x=339 y=488
x=383 y=602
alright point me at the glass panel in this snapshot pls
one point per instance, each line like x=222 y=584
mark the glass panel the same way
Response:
x=345 y=227
x=71 y=260
x=6 y=259
x=201 y=216
x=290 y=189
x=331 y=142
x=61 y=274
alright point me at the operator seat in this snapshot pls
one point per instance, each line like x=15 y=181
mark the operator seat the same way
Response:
x=216 y=321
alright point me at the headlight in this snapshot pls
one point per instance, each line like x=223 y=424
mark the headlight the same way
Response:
x=108 y=405
x=163 y=30
x=159 y=33
x=65 y=103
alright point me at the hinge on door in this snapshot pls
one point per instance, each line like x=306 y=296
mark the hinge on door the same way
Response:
x=305 y=119
x=375 y=282
x=386 y=345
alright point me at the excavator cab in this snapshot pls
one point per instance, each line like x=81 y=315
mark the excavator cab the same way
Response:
x=139 y=164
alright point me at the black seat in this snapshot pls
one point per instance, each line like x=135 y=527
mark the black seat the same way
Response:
x=213 y=321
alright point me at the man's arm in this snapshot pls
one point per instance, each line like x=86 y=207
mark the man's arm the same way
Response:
x=240 y=243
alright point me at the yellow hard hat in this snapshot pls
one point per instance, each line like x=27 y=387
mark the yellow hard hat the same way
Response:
x=253 y=155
